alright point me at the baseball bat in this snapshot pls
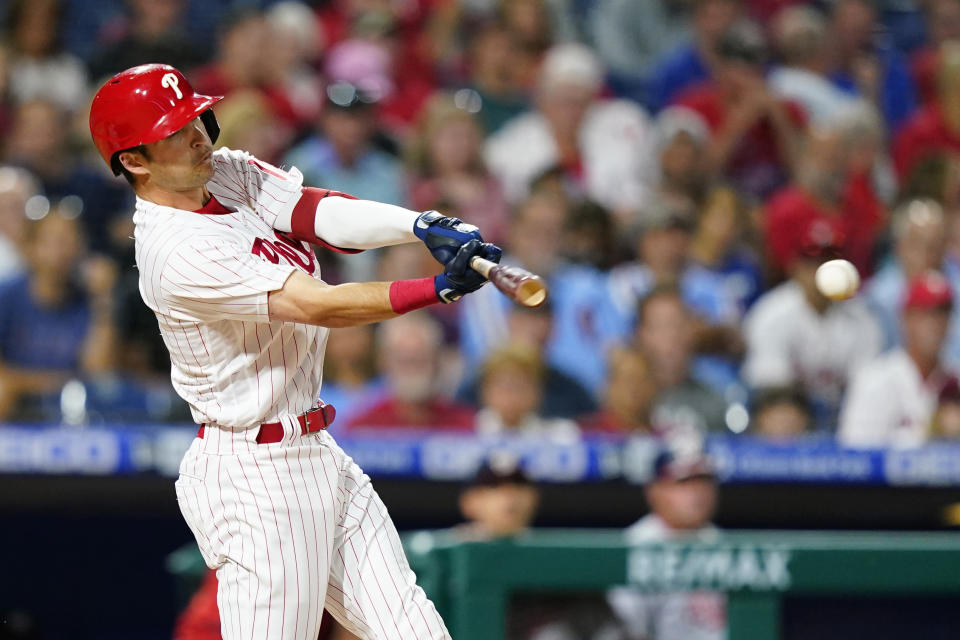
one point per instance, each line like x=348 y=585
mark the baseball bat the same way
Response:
x=520 y=285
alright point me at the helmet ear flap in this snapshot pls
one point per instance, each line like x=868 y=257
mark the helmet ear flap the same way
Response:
x=210 y=123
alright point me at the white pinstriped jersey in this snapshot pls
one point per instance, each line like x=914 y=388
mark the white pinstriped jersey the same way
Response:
x=207 y=277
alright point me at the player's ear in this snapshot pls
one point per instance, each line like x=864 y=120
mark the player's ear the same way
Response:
x=133 y=162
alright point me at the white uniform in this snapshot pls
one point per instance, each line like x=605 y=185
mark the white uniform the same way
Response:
x=693 y=615
x=294 y=526
x=788 y=342
x=889 y=404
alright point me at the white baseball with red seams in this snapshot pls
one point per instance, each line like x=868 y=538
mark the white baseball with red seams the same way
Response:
x=292 y=527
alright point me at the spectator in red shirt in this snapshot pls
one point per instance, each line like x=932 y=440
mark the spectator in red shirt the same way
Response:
x=943 y=24
x=242 y=64
x=935 y=127
x=830 y=186
x=755 y=136
x=409 y=348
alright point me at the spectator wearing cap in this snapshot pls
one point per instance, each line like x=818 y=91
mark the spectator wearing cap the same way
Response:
x=755 y=135
x=833 y=188
x=682 y=139
x=919 y=233
x=499 y=502
x=604 y=147
x=682 y=496
x=797 y=336
x=409 y=358
x=386 y=54
x=892 y=399
x=511 y=393
x=343 y=152
x=53 y=324
x=867 y=65
x=691 y=62
x=802 y=39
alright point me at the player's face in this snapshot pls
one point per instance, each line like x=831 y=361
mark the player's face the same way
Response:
x=924 y=331
x=503 y=510
x=183 y=160
x=684 y=504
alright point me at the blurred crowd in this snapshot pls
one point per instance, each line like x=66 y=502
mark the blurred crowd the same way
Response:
x=675 y=169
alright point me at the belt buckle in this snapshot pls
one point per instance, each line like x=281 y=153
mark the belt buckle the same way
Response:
x=318 y=418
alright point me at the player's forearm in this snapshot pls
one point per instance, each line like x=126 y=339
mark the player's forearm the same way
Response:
x=346 y=222
x=100 y=344
x=351 y=304
x=308 y=301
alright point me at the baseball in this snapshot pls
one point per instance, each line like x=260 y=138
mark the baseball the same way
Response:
x=838 y=279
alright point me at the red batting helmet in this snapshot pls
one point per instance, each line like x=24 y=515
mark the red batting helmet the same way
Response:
x=145 y=104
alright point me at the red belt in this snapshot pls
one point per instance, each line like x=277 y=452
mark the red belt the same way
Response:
x=316 y=419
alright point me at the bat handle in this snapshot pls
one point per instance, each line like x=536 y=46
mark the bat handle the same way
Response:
x=482 y=266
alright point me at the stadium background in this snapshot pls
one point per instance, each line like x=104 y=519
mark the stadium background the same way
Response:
x=704 y=150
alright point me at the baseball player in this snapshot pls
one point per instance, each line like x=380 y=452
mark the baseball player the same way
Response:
x=223 y=247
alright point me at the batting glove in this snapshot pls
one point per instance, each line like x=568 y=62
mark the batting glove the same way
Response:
x=444 y=236
x=458 y=278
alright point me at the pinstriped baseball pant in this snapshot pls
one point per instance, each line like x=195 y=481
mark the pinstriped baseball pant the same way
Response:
x=292 y=528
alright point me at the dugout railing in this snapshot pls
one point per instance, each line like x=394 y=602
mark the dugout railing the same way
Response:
x=472 y=582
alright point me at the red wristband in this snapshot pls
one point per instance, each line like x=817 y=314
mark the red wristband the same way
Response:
x=407 y=295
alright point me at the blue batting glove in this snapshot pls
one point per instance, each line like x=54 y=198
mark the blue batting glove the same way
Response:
x=444 y=236
x=458 y=278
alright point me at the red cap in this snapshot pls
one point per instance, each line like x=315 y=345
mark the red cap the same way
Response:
x=929 y=290
x=145 y=104
x=819 y=238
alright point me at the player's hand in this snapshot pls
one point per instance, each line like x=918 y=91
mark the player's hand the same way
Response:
x=458 y=278
x=444 y=236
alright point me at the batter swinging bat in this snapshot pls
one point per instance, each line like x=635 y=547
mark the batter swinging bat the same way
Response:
x=519 y=284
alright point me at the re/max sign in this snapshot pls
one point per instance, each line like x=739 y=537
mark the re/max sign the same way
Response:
x=711 y=568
